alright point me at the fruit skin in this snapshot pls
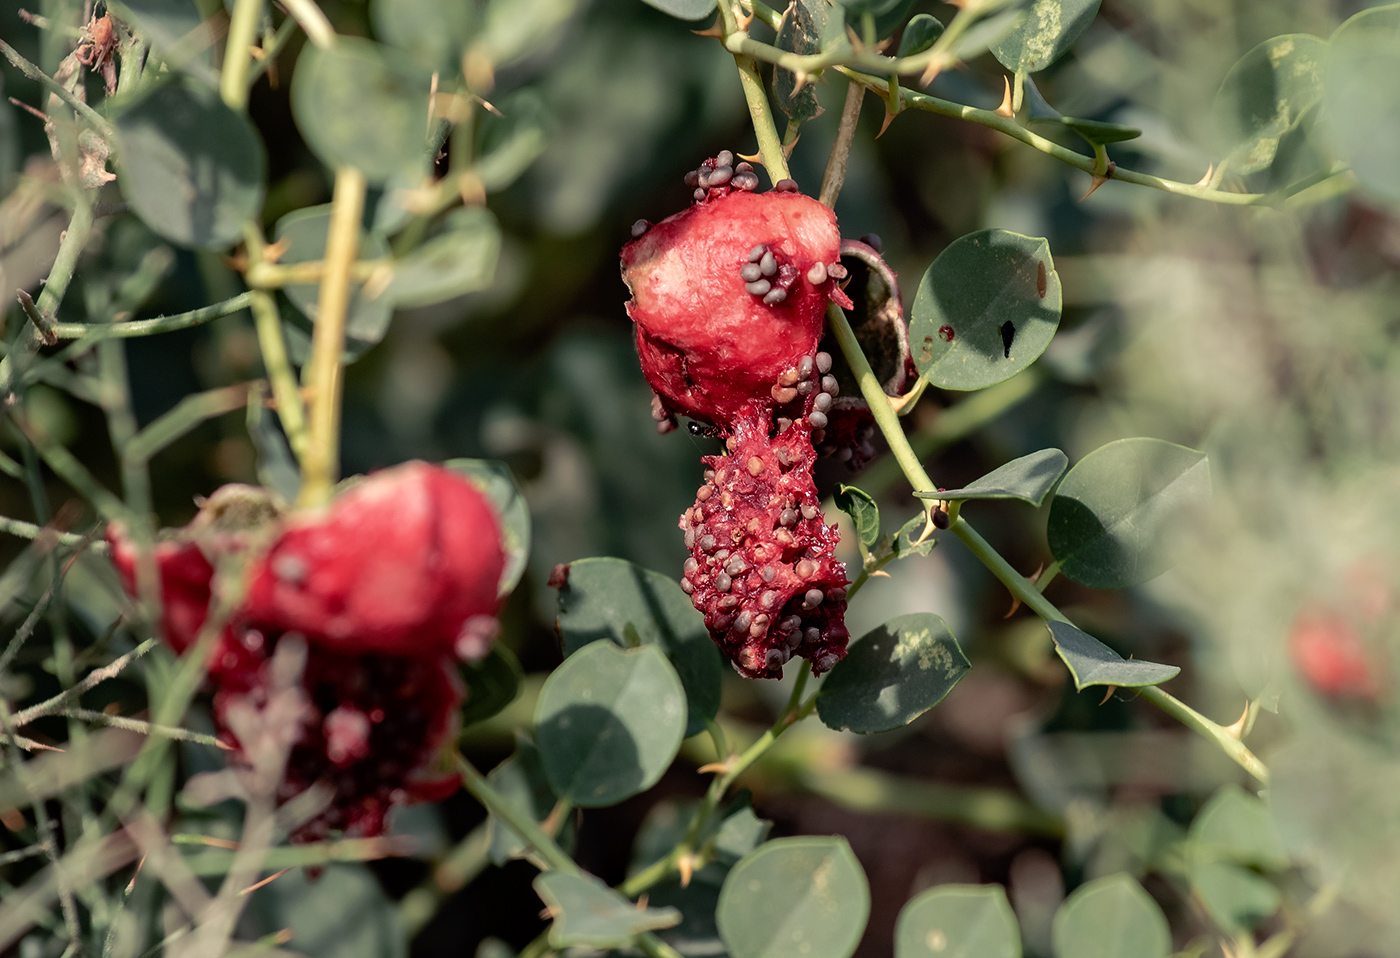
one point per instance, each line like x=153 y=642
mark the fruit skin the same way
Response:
x=1329 y=654
x=707 y=345
x=400 y=564
x=402 y=569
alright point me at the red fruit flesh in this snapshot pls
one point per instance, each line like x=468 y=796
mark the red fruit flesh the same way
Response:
x=729 y=298
x=708 y=346
x=186 y=578
x=407 y=562
x=1330 y=655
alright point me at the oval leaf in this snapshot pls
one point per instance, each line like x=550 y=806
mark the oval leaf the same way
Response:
x=433 y=32
x=864 y=513
x=892 y=675
x=608 y=723
x=1232 y=835
x=1048 y=31
x=1099 y=132
x=1362 y=99
x=1110 y=917
x=461 y=259
x=497 y=483
x=614 y=599
x=587 y=912
x=363 y=105
x=191 y=168
x=794 y=896
x=985 y=310
x=1029 y=479
x=1264 y=95
x=958 y=921
x=1091 y=662
x=304 y=232
x=1112 y=520
x=919 y=34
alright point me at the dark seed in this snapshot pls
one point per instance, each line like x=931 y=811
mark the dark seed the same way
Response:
x=775 y=297
x=940 y=519
x=691 y=566
x=823 y=363
x=844 y=454
x=725 y=158
x=699 y=194
x=721 y=176
x=723 y=582
x=759 y=287
x=812 y=635
x=824 y=663
x=775 y=658
x=686 y=587
x=786 y=186
x=804 y=368
x=736 y=565
x=812 y=599
x=708 y=543
x=809 y=511
x=692 y=179
x=873 y=241
x=805 y=387
x=743 y=621
x=788 y=517
x=817 y=419
x=767 y=263
x=744 y=167
x=836 y=595
x=639 y=228
x=750 y=273
x=791 y=623
x=818 y=435
x=829 y=385
x=745 y=181
x=757 y=252
x=805 y=569
x=822 y=403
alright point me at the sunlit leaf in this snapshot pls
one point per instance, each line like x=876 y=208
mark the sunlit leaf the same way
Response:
x=958 y=921
x=1110 y=917
x=1090 y=662
x=1048 y=31
x=587 y=912
x=1362 y=99
x=1264 y=95
x=1029 y=479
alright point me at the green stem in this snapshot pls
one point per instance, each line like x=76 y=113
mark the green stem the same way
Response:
x=99 y=122
x=1043 y=581
x=89 y=334
x=285 y=389
x=28 y=530
x=770 y=147
x=325 y=373
x=242 y=31
x=525 y=827
x=835 y=176
x=871 y=567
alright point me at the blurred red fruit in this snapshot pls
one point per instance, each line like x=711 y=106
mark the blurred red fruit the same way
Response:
x=1330 y=656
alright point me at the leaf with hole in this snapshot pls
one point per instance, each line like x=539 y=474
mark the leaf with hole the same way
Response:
x=958 y=921
x=1264 y=95
x=1029 y=479
x=590 y=914
x=605 y=598
x=190 y=167
x=1090 y=662
x=1117 y=519
x=1110 y=917
x=864 y=513
x=795 y=896
x=985 y=310
x=1046 y=34
x=304 y=233
x=1361 y=104
x=461 y=259
x=910 y=540
x=364 y=105
x=892 y=675
x=608 y=722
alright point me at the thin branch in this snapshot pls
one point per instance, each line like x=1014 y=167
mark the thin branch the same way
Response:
x=145 y=728
x=89 y=681
x=835 y=175
x=89 y=334
x=98 y=121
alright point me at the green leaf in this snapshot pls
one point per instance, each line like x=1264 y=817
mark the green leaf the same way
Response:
x=516 y=29
x=432 y=32
x=496 y=481
x=587 y=912
x=1099 y=132
x=1362 y=99
x=1048 y=31
x=305 y=231
x=363 y=105
x=795 y=896
x=1029 y=479
x=801 y=32
x=492 y=684
x=608 y=723
x=864 y=513
x=1264 y=95
x=512 y=141
x=919 y=34
x=520 y=780
x=1091 y=662
x=277 y=467
x=958 y=921
x=192 y=168
x=1233 y=834
x=606 y=598
x=164 y=24
x=1110 y=917
x=1114 y=519
x=886 y=15
x=984 y=288
x=906 y=541
x=341 y=913
x=741 y=832
x=892 y=675
x=461 y=259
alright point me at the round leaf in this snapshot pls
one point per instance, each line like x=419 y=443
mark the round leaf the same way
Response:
x=1029 y=479
x=1362 y=99
x=958 y=921
x=794 y=896
x=919 y=34
x=1233 y=834
x=1112 y=519
x=462 y=259
x=1049 y=29
x=1264 y=95
x=363 y=105
x=985 y=310
x=305 y=231
x=614 y=599
x=892 y=675
x=608 y=723
x=430 y=31
x=497 y=483
x=191 y=168
x=1110 y=917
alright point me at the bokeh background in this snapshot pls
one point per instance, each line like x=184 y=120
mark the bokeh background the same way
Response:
x=1266 y=337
